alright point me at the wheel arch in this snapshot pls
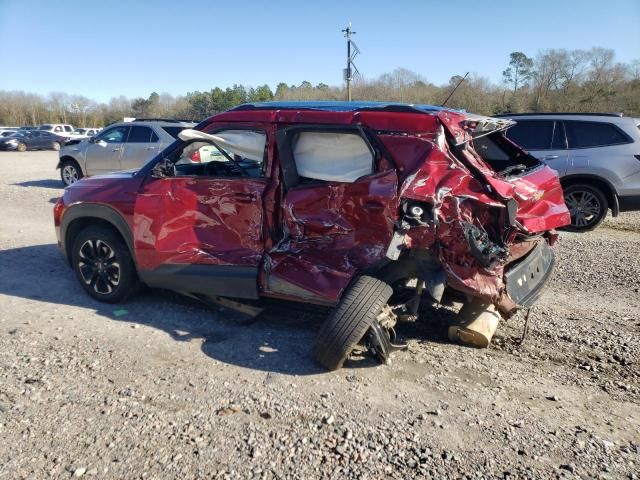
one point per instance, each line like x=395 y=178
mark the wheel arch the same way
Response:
x=80 y=216
x=69 y=158
x=607 y=188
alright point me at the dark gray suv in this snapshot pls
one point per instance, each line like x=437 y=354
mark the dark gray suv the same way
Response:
x=596 y=155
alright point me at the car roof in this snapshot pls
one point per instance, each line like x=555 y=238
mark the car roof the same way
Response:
x=617 y=119
x=340 y=106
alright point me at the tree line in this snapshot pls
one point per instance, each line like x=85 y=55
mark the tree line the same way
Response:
x=552 y=80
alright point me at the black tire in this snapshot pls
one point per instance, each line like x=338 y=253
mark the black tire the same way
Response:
x=55 y=146
x=103 y=264
x=588 y=206
x=70 y=172
x=22 y=147
x=349 y=321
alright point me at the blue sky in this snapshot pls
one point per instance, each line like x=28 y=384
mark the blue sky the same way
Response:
x=104 y=49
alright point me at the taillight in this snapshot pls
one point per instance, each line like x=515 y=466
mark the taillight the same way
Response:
x=195 y=156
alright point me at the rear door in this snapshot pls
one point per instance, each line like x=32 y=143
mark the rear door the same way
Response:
x=338 y=211
x=544 y=139
x=104 y=154
x=141 y=146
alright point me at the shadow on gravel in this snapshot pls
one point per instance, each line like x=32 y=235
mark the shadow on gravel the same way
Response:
x=54 y=184
x=279 y=340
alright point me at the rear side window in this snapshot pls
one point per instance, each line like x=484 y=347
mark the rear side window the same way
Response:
x=68 y=128
x=173 y=131
x=332 y=156
x=532 y=134
x=139 y=134
x=593 y=134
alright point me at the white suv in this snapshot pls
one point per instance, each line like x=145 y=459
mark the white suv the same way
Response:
x=596 y=155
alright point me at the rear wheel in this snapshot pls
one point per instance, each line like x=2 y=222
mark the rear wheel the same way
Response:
x=103 y=264
x=349 y=322
x=587 y=205
x=55 y=146
x=70 y=172
x=22 y=147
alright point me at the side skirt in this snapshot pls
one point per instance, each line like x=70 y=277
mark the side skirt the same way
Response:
x=210 y=280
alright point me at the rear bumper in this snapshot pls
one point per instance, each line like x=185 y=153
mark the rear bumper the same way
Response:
x=526 y=279
x=629 y=203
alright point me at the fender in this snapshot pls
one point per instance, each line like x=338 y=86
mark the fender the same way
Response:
x=94 y=211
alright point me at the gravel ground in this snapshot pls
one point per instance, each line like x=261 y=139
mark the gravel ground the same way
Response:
x=172 y=389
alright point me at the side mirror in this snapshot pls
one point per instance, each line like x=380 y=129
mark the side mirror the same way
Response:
x=164 y=168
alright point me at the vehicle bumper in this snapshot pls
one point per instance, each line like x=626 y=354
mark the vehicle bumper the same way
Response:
x=8 y=147
x=629 y=203
x=525 y=280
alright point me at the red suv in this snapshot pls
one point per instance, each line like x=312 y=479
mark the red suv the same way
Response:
x=369 y=207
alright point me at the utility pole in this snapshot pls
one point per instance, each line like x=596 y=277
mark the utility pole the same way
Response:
x=348 y=72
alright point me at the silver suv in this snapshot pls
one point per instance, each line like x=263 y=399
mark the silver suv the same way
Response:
x=596 y=155
x=120 y=146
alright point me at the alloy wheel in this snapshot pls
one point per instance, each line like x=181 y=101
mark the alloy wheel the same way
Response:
x=99 y=266
x=69 y=174
x=584 y=208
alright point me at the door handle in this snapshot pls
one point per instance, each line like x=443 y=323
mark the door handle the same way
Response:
x=116 y=149
x=550 y=157
x=150 y=148
x=244 y=197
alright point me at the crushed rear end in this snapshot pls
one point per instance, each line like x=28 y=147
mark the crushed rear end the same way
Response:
x=484 y=207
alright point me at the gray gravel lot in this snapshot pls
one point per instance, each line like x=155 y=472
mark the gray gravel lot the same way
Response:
x=172 y=389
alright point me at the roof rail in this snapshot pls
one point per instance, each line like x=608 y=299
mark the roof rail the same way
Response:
x=593 y=114
x=170 y=120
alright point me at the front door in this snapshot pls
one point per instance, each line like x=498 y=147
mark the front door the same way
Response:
x=103 y=155
x=200 y=229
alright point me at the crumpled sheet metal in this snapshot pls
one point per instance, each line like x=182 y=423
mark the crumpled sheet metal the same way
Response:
x=185 y=221
x=333 y=231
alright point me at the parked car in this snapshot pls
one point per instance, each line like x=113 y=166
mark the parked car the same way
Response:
x=596 y=155
x=61 y=129
x=32 y=140
x=5 y=131
x=369 y=207
x=120 y=146
x=81 y=133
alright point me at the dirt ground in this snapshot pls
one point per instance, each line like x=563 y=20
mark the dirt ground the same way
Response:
x=168 y=388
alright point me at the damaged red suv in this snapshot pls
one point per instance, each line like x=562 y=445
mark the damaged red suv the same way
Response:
x=368 y=207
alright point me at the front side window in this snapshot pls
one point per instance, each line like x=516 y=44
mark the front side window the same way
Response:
x=46 y=127
x=68 y=128
x=332 y=156
x=532 y=134
x=593 y=134
x=227 y=153
x=114 y=135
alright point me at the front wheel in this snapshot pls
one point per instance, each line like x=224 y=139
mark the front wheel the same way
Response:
x=70 y=172
x=56 y=146
x=103 y=264
x=587 y=206
x=348 y=323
